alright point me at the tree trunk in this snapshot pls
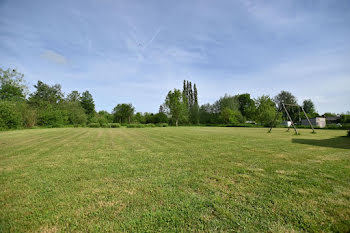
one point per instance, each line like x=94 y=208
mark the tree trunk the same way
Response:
x=129 y=119
x=177 y=122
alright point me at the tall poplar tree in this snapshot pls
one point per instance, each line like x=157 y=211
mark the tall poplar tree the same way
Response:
x=195 y=105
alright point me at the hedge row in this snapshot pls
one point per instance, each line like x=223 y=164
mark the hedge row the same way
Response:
x=117 y=125
x=150 y=125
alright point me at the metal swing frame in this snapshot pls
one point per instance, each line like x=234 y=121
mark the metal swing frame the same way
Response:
x=285 y=109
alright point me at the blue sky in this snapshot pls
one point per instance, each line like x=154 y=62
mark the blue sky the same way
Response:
x=136 y=51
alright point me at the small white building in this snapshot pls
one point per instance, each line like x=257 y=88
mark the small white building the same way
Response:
x=286 y=123
x=316 y=121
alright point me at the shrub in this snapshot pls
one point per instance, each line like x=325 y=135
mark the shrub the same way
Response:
x=333 y=126
x=114 y=125
x=93 y=119
x=162 y=124
x=346 y=126
x=76 y=114
x=243 y=125
x=150 y=125
x=49 y=115
x=102 y=120
x=94 y=125
x=345 y=119
x=104 y=125
x=135 y=126
x=56 y=125
x=10 y=118
x=349 y=133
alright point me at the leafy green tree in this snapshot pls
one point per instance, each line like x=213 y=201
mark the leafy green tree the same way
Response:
x=46 y=93
x=12 y=85
x=102 y=120
x=139 y=118
x=160 y=117
x=246 y=106
x=266 y=111
x=207 y=115
x=149 y=117
x=108 y=116
x=87 y=102
x=28 y=112
x=309 y=106
x=123 y=113
x=74 y=96
x=50 y=115
x=75 y=113
x=10 y=117
x=176 y=103
x=226 y=101
x=345 y=118
x=287 y=98
x=48 y=101
x=230 y=116
x=329 y=114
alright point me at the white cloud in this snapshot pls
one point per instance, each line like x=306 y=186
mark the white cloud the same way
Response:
x=54 y=57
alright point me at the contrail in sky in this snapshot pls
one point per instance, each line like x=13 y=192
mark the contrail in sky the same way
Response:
x=154 y=36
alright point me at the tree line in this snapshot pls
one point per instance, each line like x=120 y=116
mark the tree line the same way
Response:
x=48 y=106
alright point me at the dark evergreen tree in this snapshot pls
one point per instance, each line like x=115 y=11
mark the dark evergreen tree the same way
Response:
x=195 y=105
x=87 y=102
x=190 y=95
x=195 y=94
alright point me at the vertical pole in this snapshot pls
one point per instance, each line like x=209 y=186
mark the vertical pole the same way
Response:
x=295 y=129
x=313 y=130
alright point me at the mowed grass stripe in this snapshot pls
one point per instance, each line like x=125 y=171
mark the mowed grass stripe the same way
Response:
x=40 y=141
x=175 y=179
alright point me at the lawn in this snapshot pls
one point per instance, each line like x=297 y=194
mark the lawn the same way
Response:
x=174 y=179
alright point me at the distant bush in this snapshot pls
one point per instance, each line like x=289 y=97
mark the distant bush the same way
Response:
x=305 y=127
x=346 y=126
x=345 y=119
x=56 y=125
x=135 y=126
x=150 y=125
x=243 y=125
x=333 y=126
x=131 y=126
x=105 y=125
x=50 y=115
x=94 y=125
x=10 y=118
x=162 y=124
x=114 y=125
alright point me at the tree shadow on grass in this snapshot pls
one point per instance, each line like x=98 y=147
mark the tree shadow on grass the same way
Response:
x=337 y=142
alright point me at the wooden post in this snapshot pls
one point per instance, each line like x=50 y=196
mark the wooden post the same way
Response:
x=295 y=129
x=313 y=130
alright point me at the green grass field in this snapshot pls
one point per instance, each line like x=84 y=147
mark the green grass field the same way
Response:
x=174 y=179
